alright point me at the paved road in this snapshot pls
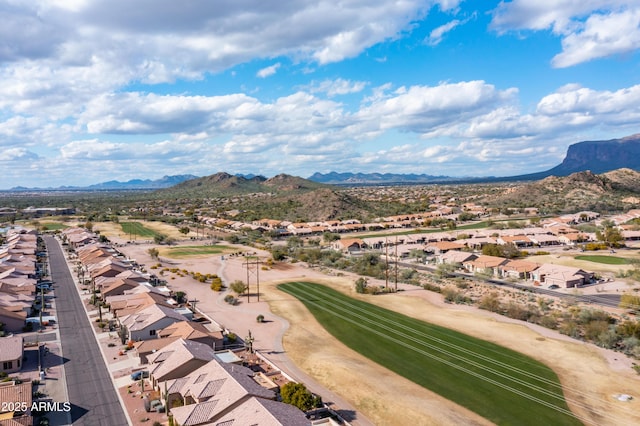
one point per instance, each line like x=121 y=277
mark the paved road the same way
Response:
x=609 y=300
x=92 y=395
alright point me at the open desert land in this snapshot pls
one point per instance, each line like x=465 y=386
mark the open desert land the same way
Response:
x=592 y=377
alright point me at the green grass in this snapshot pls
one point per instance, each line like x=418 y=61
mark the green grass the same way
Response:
x=608 y=260
x=502 y=385
x=53 y=226
x=478 y=225
x=186 y=251
x=136 y=228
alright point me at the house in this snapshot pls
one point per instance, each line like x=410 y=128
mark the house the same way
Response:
x=194 y=331
x=20 y=392
x=517 y=240
x=484 y=264
x=178 y=359
x=144 y=324
x=269 y=413
x=133 y=301
x=13 y=321
x=443 y=246
x=562 y=276
x=211 y=392
x=456 y=257
x=544 y=239
x=11 y=354
x=519 y=269
x=144 y=348
x=116 y=286
x=572 y=238
x=348 y=245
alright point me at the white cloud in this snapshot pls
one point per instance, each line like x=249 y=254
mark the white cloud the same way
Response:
x=435 y=37
x=268 y=71
x=602 y=35
x=14 y=154
x=337 y=87
x=590 y=29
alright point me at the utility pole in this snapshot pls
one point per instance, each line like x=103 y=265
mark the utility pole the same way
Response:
x=386 y=258
x=249 y=265
x=248 y=287
x=396 y=264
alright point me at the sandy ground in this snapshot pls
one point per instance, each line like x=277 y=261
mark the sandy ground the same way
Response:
x=592 y=377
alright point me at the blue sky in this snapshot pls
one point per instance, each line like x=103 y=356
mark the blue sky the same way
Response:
x=97 y=90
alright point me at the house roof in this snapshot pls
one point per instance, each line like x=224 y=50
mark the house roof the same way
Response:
x=188 y=330
x=264 y=412
x=11 y=348
x=446 y=245
x=217 y=386
x=456 y=256
x=18 y=392
x=520 y=266
x=153 y=345
x=149 y=316
x=176 y=355
x=487 y=261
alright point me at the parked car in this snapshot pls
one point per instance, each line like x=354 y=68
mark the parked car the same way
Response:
x=553 y=286
x=157 y=406
x=139 y=375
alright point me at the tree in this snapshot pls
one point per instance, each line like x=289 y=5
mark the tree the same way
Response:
x=329 y=237
x=184 y=230
x=610 y=235
x=296 y=394
x=154 y=253
x=180 y=296
x=160 y=238
x=238 y=287
x=361 y=285
x=88 y=225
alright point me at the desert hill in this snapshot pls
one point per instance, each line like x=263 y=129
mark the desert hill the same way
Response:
x=224 y=184
x=614 y=190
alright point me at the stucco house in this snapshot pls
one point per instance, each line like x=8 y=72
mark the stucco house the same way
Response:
x=219 y=393
x=562 y=276
x=144 y=324
x=11 y=354
x=348 y=245
x=485 y=264
x=178 y=359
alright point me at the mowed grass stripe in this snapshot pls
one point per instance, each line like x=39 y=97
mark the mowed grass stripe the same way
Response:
x=441 y=344
x=607 y=260
x=186 y=251
x=136 y=228
x=463 y=355
x=503 y=400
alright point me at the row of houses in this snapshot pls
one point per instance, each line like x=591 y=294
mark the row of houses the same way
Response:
x=185 y=358
x=541 y=274
x=20 y=267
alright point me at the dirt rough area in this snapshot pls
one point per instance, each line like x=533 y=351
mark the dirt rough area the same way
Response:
x=592 y=377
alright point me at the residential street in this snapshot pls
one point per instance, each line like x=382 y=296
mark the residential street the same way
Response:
x=91 y=392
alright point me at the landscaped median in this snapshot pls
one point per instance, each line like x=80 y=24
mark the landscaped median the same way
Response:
x=499 y=384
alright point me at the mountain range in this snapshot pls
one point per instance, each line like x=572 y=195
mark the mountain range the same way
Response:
x=594 y=156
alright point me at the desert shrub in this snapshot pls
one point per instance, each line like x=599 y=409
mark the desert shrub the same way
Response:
x=451 y=295
x=216 y=284
x=490 y=302
x=432 y=287
x=595 y=246
x=260 y=318
x=361 y=285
